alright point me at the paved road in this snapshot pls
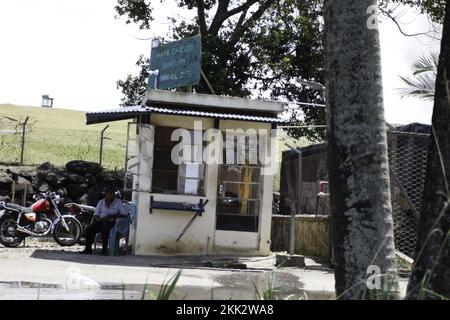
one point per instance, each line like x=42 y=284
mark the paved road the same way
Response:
x=43 y=270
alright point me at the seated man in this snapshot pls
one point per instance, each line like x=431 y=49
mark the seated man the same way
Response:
x=108 y=209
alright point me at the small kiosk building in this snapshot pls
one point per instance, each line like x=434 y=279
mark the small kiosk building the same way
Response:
x=209 y=200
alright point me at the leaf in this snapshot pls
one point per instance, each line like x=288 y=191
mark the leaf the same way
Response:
x=167 y=288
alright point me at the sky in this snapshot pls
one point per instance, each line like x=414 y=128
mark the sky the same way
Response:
x=75 y=51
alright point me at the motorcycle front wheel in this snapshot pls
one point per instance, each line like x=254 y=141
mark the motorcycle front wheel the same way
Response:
x=9 y=237
x=67 y=238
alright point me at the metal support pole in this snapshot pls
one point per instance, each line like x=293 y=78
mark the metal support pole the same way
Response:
x=292 y=233
x=207 y=82
x=101 y=144
x=13 y=191
x=24 y=199
x=23 y=139
x=299 y=200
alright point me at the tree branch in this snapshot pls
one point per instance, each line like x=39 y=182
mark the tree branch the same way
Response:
x=219 y=17
x=389 y=15
x=243 y=7
x=241 y=19
x=223 y=14
x=254 y=17
x=201 y=17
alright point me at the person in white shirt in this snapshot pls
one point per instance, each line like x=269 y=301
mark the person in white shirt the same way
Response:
x=107 y=211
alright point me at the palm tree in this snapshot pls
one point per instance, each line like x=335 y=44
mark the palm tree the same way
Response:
x=423 y=82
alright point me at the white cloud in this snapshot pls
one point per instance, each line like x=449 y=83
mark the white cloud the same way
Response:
x=398 y=53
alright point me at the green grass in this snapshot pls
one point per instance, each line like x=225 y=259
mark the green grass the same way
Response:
x=58 y=136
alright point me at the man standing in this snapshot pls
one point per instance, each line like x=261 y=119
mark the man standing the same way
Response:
x=108 y=210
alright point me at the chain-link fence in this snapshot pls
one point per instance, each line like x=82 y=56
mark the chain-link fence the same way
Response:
x=23 y=141
x=12 y=138
x=407 y=162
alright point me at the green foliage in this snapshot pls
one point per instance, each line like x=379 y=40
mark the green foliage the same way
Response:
x=250 y=49
x=136 y=11
x=168 y=287
x=133 y=87
x=267 y=292
x=255 y=48
x=433 y=8
x=423 y=82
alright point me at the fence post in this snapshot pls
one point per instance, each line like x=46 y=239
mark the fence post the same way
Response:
x=299 y=200
x=23 y=139
x=101 y=144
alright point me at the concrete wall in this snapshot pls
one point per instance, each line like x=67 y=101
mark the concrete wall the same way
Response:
x=311 y=235
x=156 y=233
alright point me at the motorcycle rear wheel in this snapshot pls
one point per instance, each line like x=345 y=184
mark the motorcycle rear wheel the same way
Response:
x=67 y=238
x=82 y=240
x=8 y=238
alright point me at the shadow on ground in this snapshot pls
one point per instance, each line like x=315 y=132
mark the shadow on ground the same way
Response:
x=202 y=261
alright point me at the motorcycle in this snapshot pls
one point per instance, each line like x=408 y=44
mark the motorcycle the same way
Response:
x=39 y=220
x=84 y=214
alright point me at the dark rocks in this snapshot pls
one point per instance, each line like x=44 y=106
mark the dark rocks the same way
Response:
x=62 y=192
x=74 y=178
x=75 y=190
x=46 y=166
x=52 y=179
x=94 y=195
x=89 y=179
x=42 y=187
x=84 y=183
x=83 y=167
x=5 y=181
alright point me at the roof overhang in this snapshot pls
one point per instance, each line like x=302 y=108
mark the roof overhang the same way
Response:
x=212 y=102
x=195 y=105
x=133 y=112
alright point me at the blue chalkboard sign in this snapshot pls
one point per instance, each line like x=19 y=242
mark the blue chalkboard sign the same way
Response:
x=178 y=63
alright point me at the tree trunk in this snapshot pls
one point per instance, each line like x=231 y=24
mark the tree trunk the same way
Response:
x=357 y=156
x=430 y=278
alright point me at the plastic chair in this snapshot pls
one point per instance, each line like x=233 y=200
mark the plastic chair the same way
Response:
x=120 y=230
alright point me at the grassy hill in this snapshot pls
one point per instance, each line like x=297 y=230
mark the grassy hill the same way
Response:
x=58 y=136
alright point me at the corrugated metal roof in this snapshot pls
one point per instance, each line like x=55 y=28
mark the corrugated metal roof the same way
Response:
x=130 y=112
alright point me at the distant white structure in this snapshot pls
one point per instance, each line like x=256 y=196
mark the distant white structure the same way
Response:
x=47 y=102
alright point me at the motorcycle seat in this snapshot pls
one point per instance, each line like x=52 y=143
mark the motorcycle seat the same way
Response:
x=17 y=207
x=87 y=208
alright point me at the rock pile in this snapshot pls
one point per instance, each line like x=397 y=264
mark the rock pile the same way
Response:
x=79 y=181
